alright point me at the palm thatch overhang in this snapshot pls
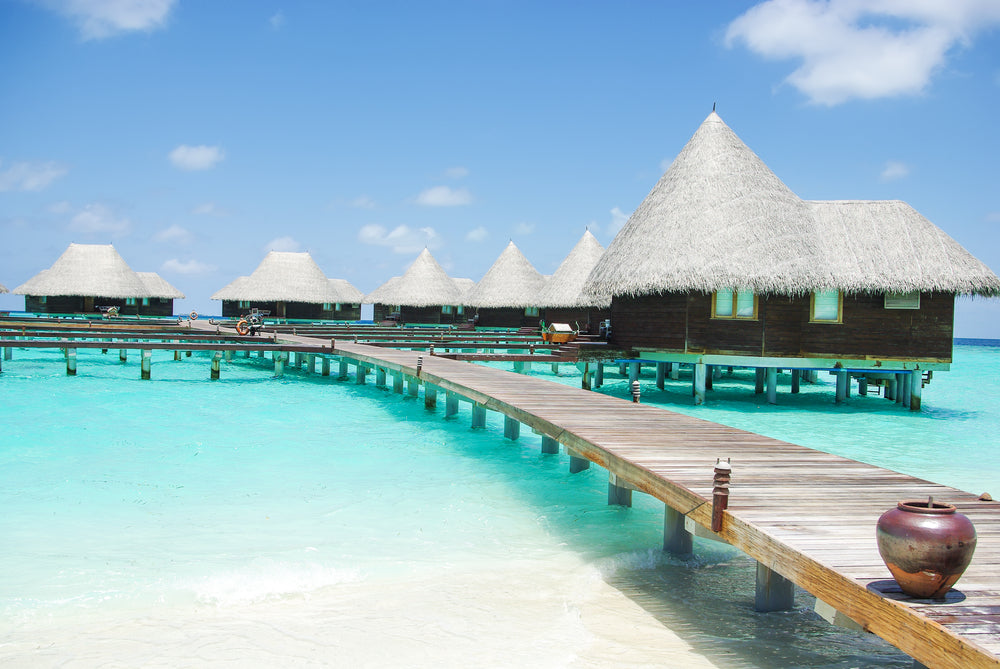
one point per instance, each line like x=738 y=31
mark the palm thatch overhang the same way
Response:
x=720 y=219
x=87 y=270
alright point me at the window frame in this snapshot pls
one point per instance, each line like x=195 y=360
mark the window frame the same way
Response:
x=733 y=316
x=899 y=299
x=531 y=312
x=840 y=308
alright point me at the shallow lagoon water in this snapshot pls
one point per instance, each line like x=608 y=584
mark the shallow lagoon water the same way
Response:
x=306 y=521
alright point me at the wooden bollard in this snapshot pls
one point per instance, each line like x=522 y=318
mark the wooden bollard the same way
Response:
x=71 y=362
x=420 y=363
x=635 y=392
x=431 y=350
x=720 y=492
x=215 y=365
x=333 y=344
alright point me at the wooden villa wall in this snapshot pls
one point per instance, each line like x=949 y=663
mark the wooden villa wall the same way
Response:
x=572 y=316
x=301 y=310
x=682 y=323
x=78 y=304
x=505 y=317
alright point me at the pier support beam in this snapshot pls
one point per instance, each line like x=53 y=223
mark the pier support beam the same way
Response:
x=916 y=385
x=397 y=382
x=279 y=363
x=380 y=377
x=478 y=416
x=555 y=368
x=216 y=365
x=863 y=385
x=342 y=372
x=576 y=463
x=511 y=428
x=522 y=366
x=229 y=356
x=599 y=375
x=661 y=374
x=633 y=372
x=8 y=353
x=450 y=405
x=585 y=379
x=311 y=363
x=774 y=591
x=890 y=388
x=177 y=355
x=796 y=374
x=758 y=387
x=71 y=362
x=676 y=540
x=841 y=386
x=430 y=396
x=146 y=365
x=325 y=366
x=412 y=386
x=699 y=383
x=360 y=374
x=619 y=491
x=123 y=355
x=772 y=385
x=549 y=445
x=674 y=371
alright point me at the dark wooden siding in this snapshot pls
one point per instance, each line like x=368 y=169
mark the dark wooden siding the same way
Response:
x=77 y=304
x=508 y=317
x=589 y=320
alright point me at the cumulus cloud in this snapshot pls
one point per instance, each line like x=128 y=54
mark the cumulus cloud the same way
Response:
x=524 y=228
x=196 y=157
x=29 y=176
x=175 y=234
x=456 y=172
x=209 y=209
x=476 y=234
x=97 y=218
x=443 y=196
x=98 y=19
x=618 y=218
x=363 y=202
x=283 y=244
x=993 y=217
x=277 y=20
x=192 y=266
x=853 y=49
x=894 y=170
x=401 y=239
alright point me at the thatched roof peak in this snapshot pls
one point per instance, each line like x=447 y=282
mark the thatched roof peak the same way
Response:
x=87 y=270
x=565 y=287
x=282 y=276
x=511 y=281
x=424 y=284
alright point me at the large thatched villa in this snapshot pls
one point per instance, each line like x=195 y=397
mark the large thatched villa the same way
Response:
x=722 y=264
x=90 y=278
x=424 y=294
x=507 y=295
x=563 y=299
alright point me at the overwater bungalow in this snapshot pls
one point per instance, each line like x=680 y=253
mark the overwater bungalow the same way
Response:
x=424 y=294
x=722 y=264
x=507 y=294
x=563 y=299
x=290 y=285
x=94 y=278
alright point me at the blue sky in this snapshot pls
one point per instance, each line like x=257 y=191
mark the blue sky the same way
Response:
x=196 y=136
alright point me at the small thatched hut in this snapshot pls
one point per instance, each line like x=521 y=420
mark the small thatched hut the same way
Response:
x=288 y=285
x=723 y=264
x=424 y=294
x=563 y=299
x=89 y=278
x=507 y=295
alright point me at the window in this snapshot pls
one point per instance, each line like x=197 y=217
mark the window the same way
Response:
x=338 y=306
x=328 y=306
x=145 y=301
x=130 y=301
x=740 y=304
x=460 y=310
x=42 y=299
x=446 y=309
x=244 y=304
x=531 y=311
x=910 y=300
x=826 y=306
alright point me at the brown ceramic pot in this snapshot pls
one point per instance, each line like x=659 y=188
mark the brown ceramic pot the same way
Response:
x=926 y=545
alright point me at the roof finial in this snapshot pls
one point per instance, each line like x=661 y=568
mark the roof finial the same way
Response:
x=713 y=106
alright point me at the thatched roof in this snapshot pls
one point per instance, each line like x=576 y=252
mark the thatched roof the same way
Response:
x=345 y=292
x=87 y=270
x=158 y=286
x=424 y=284
x=565 y=287
x=719 y=218
x=510 y=282
x=282 y=277
x=464 y=287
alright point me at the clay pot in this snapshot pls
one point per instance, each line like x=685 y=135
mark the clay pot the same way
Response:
x=926 y=545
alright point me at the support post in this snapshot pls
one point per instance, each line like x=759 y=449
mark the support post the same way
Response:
x=676 y=540
x=380 y=377
x=123 y=355
x=622 y=369
x=841 y=386
x=758 y=387
x=674 y=371
x=891 y=386
x=397 y=382
x=146 y=365
x=661 y=374
x=916 y=385
x=430 y=396
x=555 y=368
x=772 y=385
x=585 y=379
x=599 y=375
x=8 y=353
x=511 y=428
x=796 y=373
x=709 y=376
x=863 y=385
x=478 y=416
x=774 y=591
x=216 y=364
x=229 y=356
x=450 y=405
x=619 y=492
x=71 y=362
x=360 y=374
x=549 y=445
x=699 y=383
x=177 y=355
x=324 y=366
x=279 y=363
x=342 y=372
x=311 y=363
x=576 y=463
x=633 y=372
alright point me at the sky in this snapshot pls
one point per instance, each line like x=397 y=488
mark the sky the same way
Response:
x=197 y=136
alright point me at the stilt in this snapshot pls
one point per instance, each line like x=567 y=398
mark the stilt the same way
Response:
x=675 y=371
x=661 y=374
x=216 y=364
x=758 y=380
x=123 y=355
x=619 y=492
x=576 y=463
x=599 y=375
x=772 y=385
x=699 y=383
x=8 y=353
x=311 y=363
x=622 y=369
x=900 y=388
x=585 y=379
x=397 y=382
x=511 y=428
x=841 y=386
x=717 y=372
x=450 y=405
x=916 y=385
x=279 y=363
x=229 y=356
x=549 y=445
x=146 y=365
x=380 y=377
x=709 y=376
x=187 y=354
x=478 y=416
x=412 y=386
x=774 y=591
x=260 y=353
x=430 y=396
x=633 y=372
x=71 y=362
x=555 y=368
x=246 y=353
x=676 y=540
x=522 y=366
x=360 y=374
x=891 y=386
x=795 y=381
x=177 y=355
x=324 y=367
x=343 y=369
x=863 y=385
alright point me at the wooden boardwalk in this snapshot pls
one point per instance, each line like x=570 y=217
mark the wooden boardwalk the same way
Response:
x=807 y=515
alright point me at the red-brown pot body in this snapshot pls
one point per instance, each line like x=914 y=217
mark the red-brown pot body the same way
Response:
x=927 y=547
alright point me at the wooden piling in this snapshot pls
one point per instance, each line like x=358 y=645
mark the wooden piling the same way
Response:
x=599 y=375
x=478 y=416
x=511 y=428
x=916 y=386
x=279 y=363
x=772 y=385
x=698 y=384
x=619 y=491
x=841 y=376
x=71 y=361
x=450 y=404
x=676 y=539
x=324 y=367
x=661 y=374
x=576 y=463
x=430 y=396
x=758 y=388
x=380 y=377
x=123 y=355
x=146 y=365
x=216 y=365
x=549 y=445
x=412 y=386
x=774 y=592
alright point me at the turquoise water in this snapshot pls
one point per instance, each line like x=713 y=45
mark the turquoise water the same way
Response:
x=305 y=521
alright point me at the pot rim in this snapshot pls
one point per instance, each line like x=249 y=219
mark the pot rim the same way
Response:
x=922 y=506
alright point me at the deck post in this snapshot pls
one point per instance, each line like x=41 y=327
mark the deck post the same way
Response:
x=380 y=377
x=709 y=376
x=699 y=383
x=450 y=405
x=841 y=386
x=342 y=372
x=71 y=362
x=177 y=355
x=478 y=416
x=412 y=386
x=555 y=368
x=661 y=374
x=863 y=385
x=774 y=591
x=360 y=374
x=758 y=388
x=676 y=540
x=279 y=363
x=324 y=367
x=430 y=396
x=890 y=388
x=674 y=371
x=511 y=428
x=246 y=353
x=796 y=374
x=229 y=356
x=311 y=363
x=900 y=388
x=216 y=361
x=146 y=372
x=397 y=382
x=622 y=369
x=8 y=353
x=633 y=372
x=585 y=379
x=549 y=445
x=619 y=492
x=576 y=463
x=599 y=375
x=916 y=385
x=772 y=385
x=123 y=355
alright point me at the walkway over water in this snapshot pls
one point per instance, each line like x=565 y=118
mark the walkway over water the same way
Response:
x=805 y=515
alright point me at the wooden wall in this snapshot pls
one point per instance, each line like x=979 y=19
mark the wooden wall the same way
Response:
x=300 y=310
x=682 y=323
x=76 y=304
x=506 y=317
x=589 y=319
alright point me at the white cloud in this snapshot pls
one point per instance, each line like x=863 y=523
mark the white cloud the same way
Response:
x=401 y=239
x=97 y=19
x=196 y=157
x=894 y=170
x=174 y=234
x=192 y=266
x=456 y=172
x=443 y=196
x=363 y=202
x=30 y=176
x=277 y=21
x=60 y=208
x=861 y=49
x=524 y=228
x=209 y=209
x=618 y=218
x=993 y=217
x=100 y=219
x=476 y=234
x=283 y=244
